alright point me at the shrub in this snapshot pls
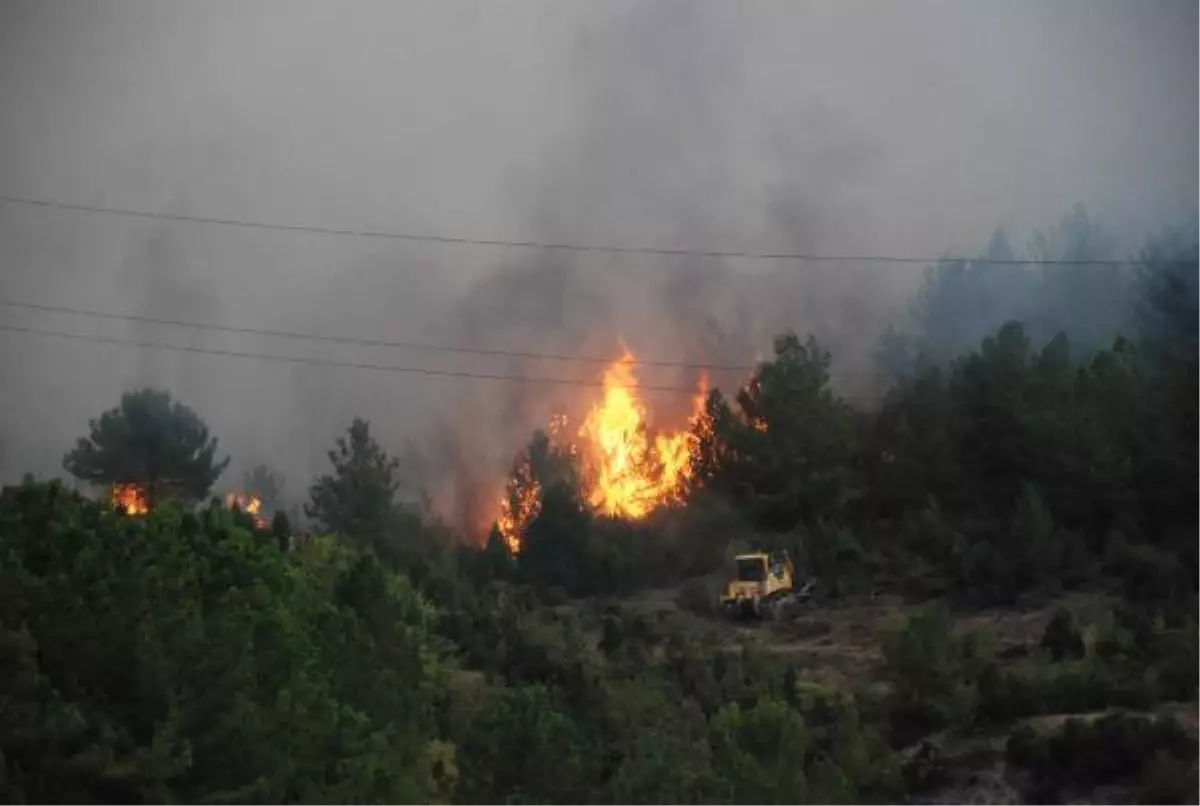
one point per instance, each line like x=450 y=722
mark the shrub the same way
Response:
x=1004 y=696
x=933 y=673
x=1148 y=575
x=176 y=657
x=1167 y=779
x=697 y=596
x=1116 y=748
x=1062 y=638
x=986 y=574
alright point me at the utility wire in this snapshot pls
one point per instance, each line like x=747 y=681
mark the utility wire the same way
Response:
x=428 y=371
x=406 y=345
x=550 y=245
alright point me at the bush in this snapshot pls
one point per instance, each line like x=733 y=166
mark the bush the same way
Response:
x=1178 y=654
x=697 y=596
x=179 y=657
x=1062 y=638
x=1167 y=779
x=933 y=673
x=1149 y=576
x=1116 y=748
x=986 y=574
x=1004 y=696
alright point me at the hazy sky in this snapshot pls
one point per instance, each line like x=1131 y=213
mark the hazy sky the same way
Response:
x=910 y=127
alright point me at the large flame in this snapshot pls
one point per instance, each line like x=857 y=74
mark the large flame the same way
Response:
x=628 y=469
x=131 y=498
x=630 y=473
x=250 y=504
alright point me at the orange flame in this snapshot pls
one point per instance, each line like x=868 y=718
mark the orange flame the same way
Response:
x=630 y=473
x=249 y=504
x=628 y=470
x=131 y=498
x=517 y=509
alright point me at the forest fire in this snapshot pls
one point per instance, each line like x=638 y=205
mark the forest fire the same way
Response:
x=131 y=498
x=629 y=474
x=627 y=471
x=249 y=504
x=517 y=508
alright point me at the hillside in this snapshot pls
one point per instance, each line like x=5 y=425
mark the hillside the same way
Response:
x=1004 y=550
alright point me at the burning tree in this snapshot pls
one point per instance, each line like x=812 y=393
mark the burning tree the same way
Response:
x=620 y=465
x=145 y=449
x=544 y=461
x=629 y=472
x=250 y=505
x=129 y=497
x=265 y=485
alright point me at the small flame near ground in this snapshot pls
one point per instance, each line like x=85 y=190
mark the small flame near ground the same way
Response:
x=131 y=498
x=628 y=471
x=249 y=504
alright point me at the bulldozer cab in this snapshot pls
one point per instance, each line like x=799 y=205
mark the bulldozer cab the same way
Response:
x=761 y=566
x=751 y=567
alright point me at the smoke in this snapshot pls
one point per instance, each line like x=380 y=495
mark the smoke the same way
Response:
x=838 y=128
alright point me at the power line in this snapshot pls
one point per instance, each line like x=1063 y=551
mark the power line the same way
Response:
x=406 y=345
x=427 y=371
x=549 y=245
x=324 y=361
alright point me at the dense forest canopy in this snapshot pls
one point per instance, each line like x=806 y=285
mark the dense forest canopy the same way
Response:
x=1038 y=455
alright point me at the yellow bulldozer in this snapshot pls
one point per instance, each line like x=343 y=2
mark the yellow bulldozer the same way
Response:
x=764 y=586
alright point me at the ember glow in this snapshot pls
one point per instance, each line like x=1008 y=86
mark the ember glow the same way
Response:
x=249 y=504
x=131 y=498
x=628 y=467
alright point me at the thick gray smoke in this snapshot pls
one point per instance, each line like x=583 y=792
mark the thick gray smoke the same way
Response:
x=836 y=128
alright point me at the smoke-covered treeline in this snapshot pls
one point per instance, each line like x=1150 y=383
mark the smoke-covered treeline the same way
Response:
x=961 y=301
x=815 y=129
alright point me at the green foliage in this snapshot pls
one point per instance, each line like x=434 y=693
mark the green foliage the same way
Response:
x=281 y=530
x=555 y=543
x=1055 y=449
x=176 y=657
x=1149 y=576
x=1062 y=638
x=939 y=679
x=699 y=597
x=1083 y=755
x=525 y=749
x=150 y=440
x=757 y=752
x=657 y=746
x=1167 y=778
x=358 y=499
x=933 y=673
x=787 y=455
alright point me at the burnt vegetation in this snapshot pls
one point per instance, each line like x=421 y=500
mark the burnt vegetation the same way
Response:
x=1014 y=468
